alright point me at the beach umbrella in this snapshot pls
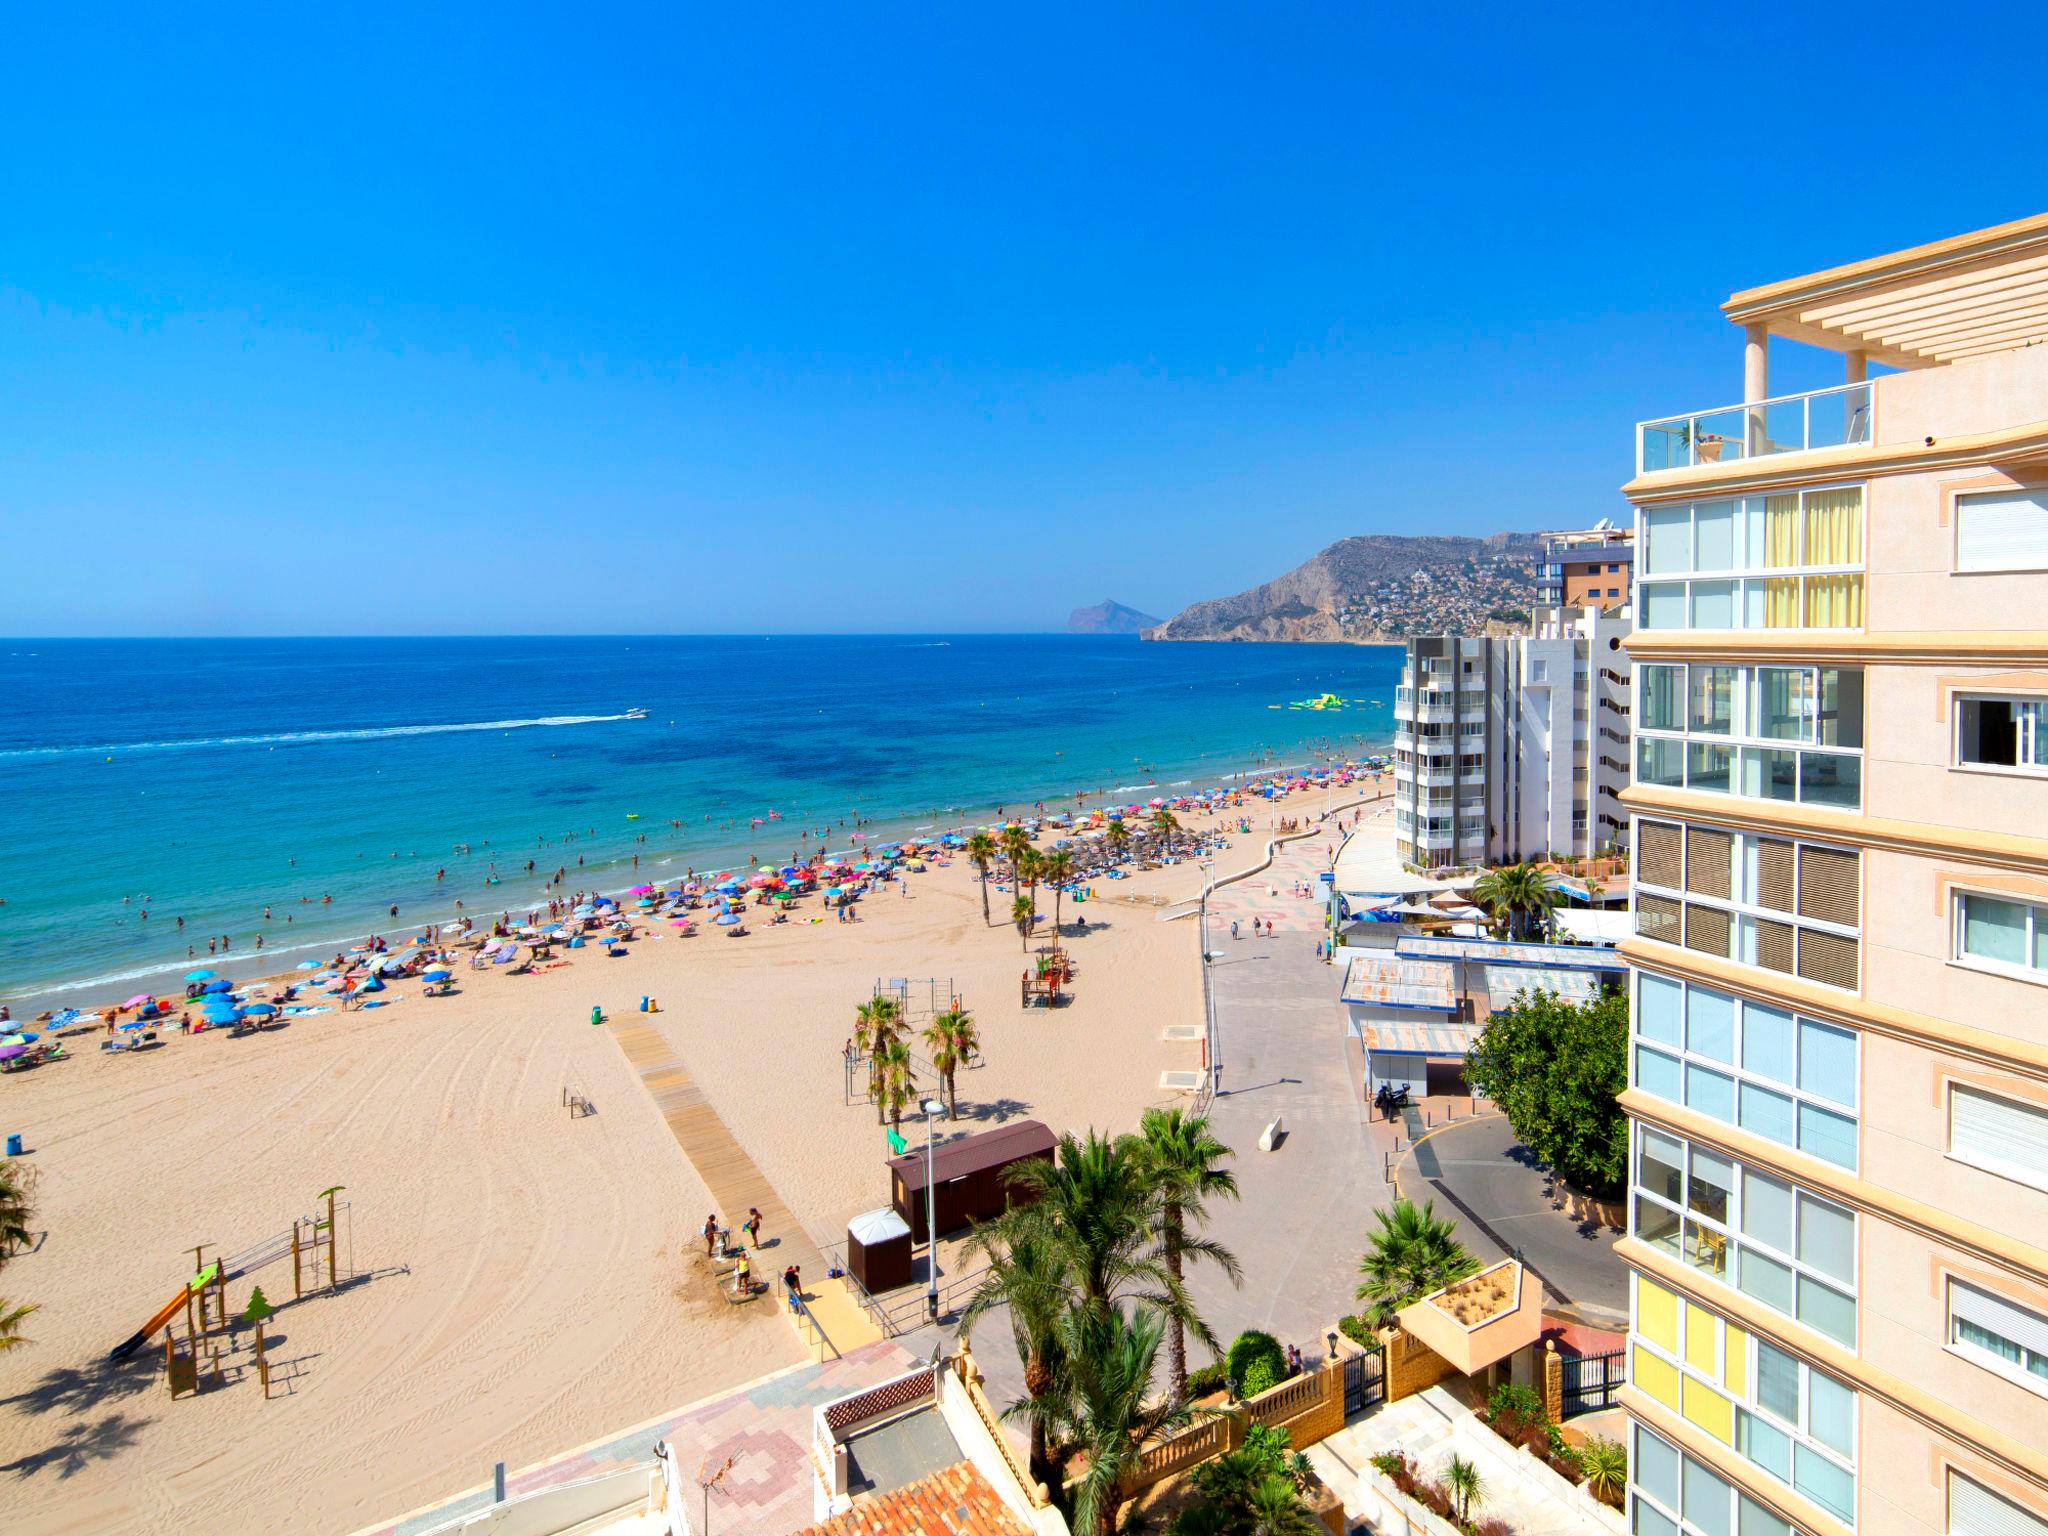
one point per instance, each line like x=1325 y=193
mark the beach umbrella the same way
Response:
x=9 y=1052
x=139 y=1000
x=643 y=890
x=219 y=984
x=438 y=973
x=21 y=1039
x=199 y=975
x=259 y=1010
x=307 y=965
x=728 y=919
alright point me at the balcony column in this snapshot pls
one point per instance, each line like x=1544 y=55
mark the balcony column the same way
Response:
x=1756 y=382
x=1855 y=367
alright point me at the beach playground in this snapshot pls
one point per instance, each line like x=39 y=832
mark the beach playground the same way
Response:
x=515 y=1271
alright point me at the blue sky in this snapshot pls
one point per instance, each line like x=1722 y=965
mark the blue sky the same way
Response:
x=669 y=319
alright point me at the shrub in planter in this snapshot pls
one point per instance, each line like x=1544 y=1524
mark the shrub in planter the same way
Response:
x=1258 y=1377
x=1493 y=1528
x=1397 y=1469
x=1354 y=1329
x=1435 y=1497
x=1605 y=1464
x=1209 y=1378
x=1511 y=1398
x=1247 y=1349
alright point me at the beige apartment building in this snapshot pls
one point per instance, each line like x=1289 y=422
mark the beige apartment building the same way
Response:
x=1839 y=1066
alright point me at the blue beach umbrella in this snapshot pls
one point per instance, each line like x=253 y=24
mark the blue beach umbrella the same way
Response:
x=728 y=919
x=199 y=975
x=220 y=984
x=438 y=973
x=259 y=1010
x=307 y=965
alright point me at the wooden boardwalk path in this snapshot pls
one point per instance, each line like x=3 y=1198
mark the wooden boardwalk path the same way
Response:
x=736 y=1184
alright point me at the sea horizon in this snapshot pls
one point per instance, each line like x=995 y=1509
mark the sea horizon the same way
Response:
x=221 y=778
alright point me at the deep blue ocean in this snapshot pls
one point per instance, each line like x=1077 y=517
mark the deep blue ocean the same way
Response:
x=218 y=777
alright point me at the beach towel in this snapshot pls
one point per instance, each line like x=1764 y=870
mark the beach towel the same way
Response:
x=300 y=1011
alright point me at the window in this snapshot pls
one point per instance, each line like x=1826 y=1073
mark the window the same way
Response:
x=1791 y=1250
x=2001 y=733
x=2002 y=935
x=1774 y=733
x=1974 y=1510
x=1769 y=902
x=2002 y=1136
x=1998 y=1335
x=2002 y=530
x=1787 y=561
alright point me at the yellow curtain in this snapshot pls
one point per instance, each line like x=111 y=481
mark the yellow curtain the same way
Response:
x=1781 y=602
x=1834 y=527
x=1781 y=530
x=1834 y=602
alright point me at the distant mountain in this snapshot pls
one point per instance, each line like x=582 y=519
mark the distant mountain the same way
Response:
x=1108 y=618
x=1378 y=587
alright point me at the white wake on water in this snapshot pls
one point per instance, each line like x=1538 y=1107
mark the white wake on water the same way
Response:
x=295 y=738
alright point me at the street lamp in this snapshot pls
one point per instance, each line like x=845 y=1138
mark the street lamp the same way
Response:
x=933 y=1108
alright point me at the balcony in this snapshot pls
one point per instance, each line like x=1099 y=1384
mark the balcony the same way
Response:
x=1820 y=418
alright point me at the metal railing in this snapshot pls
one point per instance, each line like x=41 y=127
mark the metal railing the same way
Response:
x=1818 y=418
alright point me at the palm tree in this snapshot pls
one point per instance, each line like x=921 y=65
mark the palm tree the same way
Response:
x=1412 y=1254
x=898 y=1083
x=1015 y=843
x=876 y=1024
x=1180 y=1160
x=1027 y=1274
x=11 y=1319
x=1277 y=1509
x=1021 y=910
x=1166 y=824
x=1512 y=890
x=1119 y=835
x=1030 y=866
x=1605 y=1463
x=1057 y=867
x=1109 y=1410
x=981 y=852
x=17 y=1205
x=954 y=1044
x=1462 y=1478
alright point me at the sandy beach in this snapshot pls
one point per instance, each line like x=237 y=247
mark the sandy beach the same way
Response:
x=522 y=1282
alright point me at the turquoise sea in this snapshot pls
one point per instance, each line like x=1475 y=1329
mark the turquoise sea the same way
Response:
x=221 y=777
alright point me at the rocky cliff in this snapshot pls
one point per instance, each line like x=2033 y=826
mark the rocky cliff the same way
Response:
x=1378 y=587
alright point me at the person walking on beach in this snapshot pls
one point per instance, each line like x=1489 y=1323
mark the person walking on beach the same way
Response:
x=1233 y=930
x=793 y=1285
x=752 y=1227
x=710 y=1233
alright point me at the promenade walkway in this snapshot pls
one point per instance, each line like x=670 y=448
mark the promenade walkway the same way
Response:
x=737 y=1184
x=1300 y=1224
x=764 y=1427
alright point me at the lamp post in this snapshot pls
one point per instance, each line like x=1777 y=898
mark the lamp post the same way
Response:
x=932 y=1110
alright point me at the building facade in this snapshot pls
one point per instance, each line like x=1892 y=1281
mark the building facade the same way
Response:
x=1513 y=747
x=1839 y=1054
x=1589 y=568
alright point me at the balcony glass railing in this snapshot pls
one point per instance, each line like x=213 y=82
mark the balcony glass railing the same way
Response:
x=1820 y=418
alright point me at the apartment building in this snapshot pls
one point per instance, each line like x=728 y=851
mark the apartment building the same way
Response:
x=1589 y=567
x=1839 y=1063
x=1513 y=747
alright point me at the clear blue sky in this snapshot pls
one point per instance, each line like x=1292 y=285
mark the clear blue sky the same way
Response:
x=616 y=319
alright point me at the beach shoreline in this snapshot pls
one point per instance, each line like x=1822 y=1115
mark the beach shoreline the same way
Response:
x=525 y=1280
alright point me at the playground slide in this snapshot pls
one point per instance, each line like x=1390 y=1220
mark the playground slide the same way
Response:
x=136 y=1340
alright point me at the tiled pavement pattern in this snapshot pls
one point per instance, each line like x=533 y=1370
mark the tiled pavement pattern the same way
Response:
x=955 y=1502
x=765 y=1427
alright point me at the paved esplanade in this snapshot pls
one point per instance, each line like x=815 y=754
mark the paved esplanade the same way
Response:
x=1300 y=1222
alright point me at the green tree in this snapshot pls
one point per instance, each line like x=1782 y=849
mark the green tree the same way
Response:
x=1022 y=909
x=1183 y=1164
x=1056 y=868
x=1119 y=836
x=1111 y=1410
x=1167 y=825
x=981 y=852
x=1516 y=895
x=954 y=1044
x=1030 y=866
x=1027 y=1275
x=1412 y=1253
x=1555 y=1069
x=1015 y=843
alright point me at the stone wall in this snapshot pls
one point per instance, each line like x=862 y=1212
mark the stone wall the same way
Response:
x=1411 y=1365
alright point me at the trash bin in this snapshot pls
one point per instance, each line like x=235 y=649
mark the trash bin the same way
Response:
x=14 y=1144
